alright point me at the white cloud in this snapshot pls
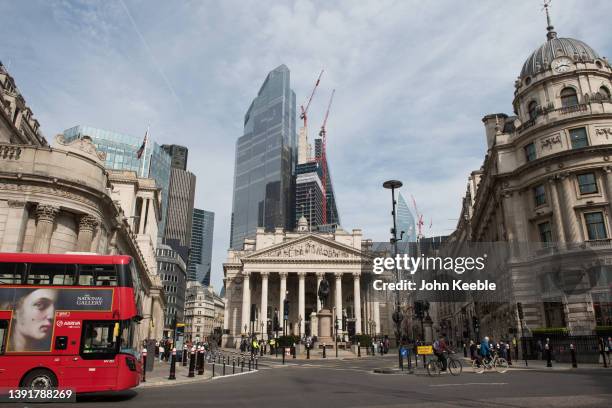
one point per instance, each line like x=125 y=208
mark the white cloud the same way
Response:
x=413 y=81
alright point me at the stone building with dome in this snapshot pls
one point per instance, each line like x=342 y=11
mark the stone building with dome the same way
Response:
x=545 y=185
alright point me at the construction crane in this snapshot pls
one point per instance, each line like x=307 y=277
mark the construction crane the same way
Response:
x=304 y=110
x=420 y=221
x=323 y=158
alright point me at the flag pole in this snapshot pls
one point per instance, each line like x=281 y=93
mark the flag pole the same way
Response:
x=144 y=152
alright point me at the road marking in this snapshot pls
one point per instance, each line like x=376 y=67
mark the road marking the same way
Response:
x=458 y=385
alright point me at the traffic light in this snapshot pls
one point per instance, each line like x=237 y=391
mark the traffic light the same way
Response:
x=286 y=309
x=475 y=323
x=519 y=307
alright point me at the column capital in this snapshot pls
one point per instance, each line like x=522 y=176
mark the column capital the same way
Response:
x=607 y=169
x=320 y=275
x=356 y=275
x=301 y=274
x=246 y=274
x=265 y=274
x=338 y=275
x=46 y=212
x=283 y=275
x=88 y=223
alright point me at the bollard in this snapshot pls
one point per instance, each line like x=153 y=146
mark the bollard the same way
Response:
x=324 y=355
x=260 y=351
x=294 y=350
x=256 y=363
x=358 y=349
x=144 y=365
x=224 y=366
x=465 y=350
x=213 y=368
x=250 y=363
x=233 y=365
x=307 y=353
x=201 y=361
x=172 y=375
x=192 y=363
x=573 y=353
x=184 y=357
x=283 y=355
x=548 y=355
x=241 y=365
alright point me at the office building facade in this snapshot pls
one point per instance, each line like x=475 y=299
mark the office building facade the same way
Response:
x=173 y=273
x=179 y=214
x=200 y=257
x=178 y=155
x=265 y=158
x=405 y=221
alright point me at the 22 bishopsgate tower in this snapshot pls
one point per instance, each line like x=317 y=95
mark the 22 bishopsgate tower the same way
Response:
x=265 y=158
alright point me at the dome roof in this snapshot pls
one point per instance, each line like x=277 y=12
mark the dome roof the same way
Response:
x=555 y=47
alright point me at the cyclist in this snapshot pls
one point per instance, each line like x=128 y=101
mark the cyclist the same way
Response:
x=485 y=349
x=440 y=348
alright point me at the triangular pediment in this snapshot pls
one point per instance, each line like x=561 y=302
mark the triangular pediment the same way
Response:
x=309 y=247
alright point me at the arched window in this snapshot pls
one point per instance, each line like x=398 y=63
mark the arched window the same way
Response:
x=568 y=97
x=531 y=108
x=604 y=92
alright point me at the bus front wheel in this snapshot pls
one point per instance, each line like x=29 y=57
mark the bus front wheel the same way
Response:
x=39 y=379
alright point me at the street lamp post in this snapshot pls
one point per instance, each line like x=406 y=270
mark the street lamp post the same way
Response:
x=397 y=315
x=300 y=326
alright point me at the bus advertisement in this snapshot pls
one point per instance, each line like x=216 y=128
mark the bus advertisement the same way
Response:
x=68 y=321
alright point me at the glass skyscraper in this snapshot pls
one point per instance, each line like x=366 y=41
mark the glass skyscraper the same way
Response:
x=200 y=256
x=405 y=221
x=265 y=160
x=121 y=154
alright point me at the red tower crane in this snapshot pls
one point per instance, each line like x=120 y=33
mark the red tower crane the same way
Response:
x=323 y=158
x=304 y=110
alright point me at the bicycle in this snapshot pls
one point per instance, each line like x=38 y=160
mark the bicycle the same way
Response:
x=454 y=366
x=498 y=363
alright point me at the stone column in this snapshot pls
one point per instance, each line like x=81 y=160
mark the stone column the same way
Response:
x=320 y=276
x=608 y=183
x=14 y=229
x=228 y=282
x=571 y=224
x=281 y=295
x=338 y=292
x=357 y=301
x=246 y=301
x=556 y=207
x=376 y=313
x=45 y=218
x=263 y=314
x=302 y=302
x=87 y=225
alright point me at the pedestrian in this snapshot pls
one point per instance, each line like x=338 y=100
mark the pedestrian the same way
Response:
x=161 y=352
x=540 y=349
x=609 y=347
x=386 y=344
x=508 y=353
x=473 y=350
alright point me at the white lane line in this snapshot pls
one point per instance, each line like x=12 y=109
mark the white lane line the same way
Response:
x=458 y=385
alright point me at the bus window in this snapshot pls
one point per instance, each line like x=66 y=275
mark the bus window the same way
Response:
x=51 y=274
x=98 y=339
x=98 y=275
x=11 y=273
x=3 y=335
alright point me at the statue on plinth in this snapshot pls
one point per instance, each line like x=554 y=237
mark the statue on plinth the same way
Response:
x=323 y=292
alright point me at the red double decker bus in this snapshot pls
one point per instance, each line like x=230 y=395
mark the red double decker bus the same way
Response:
x=68 y=321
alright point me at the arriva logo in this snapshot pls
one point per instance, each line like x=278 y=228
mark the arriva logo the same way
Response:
x=68 y=323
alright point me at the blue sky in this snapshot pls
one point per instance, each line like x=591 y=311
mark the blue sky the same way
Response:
x=413 y=80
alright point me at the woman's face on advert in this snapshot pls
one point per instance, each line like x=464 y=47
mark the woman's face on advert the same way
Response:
x=35 y=316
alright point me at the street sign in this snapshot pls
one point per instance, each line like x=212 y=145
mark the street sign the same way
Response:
x=424 y=350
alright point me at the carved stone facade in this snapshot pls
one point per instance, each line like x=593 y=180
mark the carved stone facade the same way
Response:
x=545 y=182
x=57 y=200
x=276 y=266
